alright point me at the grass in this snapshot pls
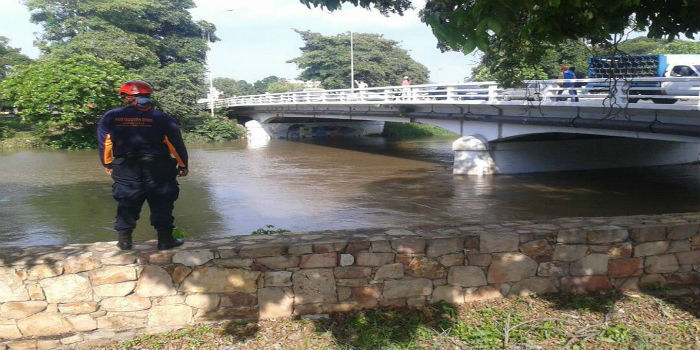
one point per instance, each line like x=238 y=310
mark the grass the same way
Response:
x=612 y=321
x=268 y=230
x=413 y=130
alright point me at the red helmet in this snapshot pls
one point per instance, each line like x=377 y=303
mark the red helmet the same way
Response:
x=135 y=87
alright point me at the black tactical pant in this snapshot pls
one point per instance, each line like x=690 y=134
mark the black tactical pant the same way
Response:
x=150 y=178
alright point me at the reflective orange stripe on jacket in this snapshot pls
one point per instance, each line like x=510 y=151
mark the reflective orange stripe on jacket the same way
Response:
x=172 y=150
x=107 y=156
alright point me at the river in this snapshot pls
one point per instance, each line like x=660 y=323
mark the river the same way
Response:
x=61 y=197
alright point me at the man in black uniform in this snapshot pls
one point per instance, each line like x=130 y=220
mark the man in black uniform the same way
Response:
x=142 y=149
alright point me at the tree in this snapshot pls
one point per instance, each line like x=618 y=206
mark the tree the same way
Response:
x=232 y=87
x=261 y=85
x=283 y=85
x=378 y=61
x=65 y=94
x=176 y=87
x=521 y=29
x=640 y=45
x=678 y=47
x=10 y=58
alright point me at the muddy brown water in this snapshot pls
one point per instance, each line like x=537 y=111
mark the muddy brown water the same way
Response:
x=60 y=197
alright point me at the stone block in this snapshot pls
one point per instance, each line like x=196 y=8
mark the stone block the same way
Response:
x=48 y=344
x=330 y=247
x=84 y=307
x=539 y=250
x=343 y=293
x=366 y=293
x=275 y=303
x=123 y=320
x=204 y=279
x=38 y=272
x=393 y=303
x=448 y=260
x=472 y=242
x=625 y=267
x=192 y=257
x=169 y=315
x=157 y=257
x=352 y=272
x=114 y=289
x=534 y=285
x=44 y=324
x=466 y=276
x=278 y=278
x=238 y=300
x=682 y=231
x=481 y=294
x=67 y=289
x=35 y=292
x=373 y=259
x=653 y=280
x=114 y=258
x=511 y=267
x=423 y=267
x=112 y=274
x=72 y=339
x=314 y=286
x=226 y=314
x=234 y=262
x=441 y=246
x=592 y=264
x=585 y=284
x=11 y=286
x=492 y=242
x=82 y=323
x=128 y=303
x=627 y=284
x=21 y=309
x=648 y=233
x=390 y=271
x=683 y=279
x=278 y=262
x=154 y=281
x=416 y=302
x=354 y=247
x=409 y=245
x=80 y=264
x=450 y=294
x=606 y=234
x=651 y=248
x=206 y=302
x=380 y=246
x=406 y=288
x=695 y=242
x=661 y=263
x=399 y=232
x=179 y=273
x=300 y=249
x=571 y=236
x=679 y=246
x=565 y=252
x=22 y=345
x=9 y=331
x=351 y=282
x=314 y=261
x=689 y=258
x=479 y=259
x=255 y=251
x=553 y=269
x=346 y=259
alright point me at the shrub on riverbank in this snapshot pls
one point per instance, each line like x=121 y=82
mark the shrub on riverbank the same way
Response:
x=612 y=321
x=214 y=129
x=413 y=130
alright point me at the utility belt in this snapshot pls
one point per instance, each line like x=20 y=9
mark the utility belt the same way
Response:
x=141 y=157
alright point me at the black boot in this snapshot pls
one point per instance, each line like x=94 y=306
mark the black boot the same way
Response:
x=166 y=240
x=124 y=242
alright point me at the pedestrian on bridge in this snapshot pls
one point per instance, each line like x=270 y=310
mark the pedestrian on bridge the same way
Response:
x=142 y=149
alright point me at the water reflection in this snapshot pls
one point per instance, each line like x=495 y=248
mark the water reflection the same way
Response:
x=233 y=188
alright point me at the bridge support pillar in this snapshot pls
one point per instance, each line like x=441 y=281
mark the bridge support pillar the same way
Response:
x=472 y=156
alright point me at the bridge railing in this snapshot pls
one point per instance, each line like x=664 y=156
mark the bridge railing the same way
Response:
x=555 y=91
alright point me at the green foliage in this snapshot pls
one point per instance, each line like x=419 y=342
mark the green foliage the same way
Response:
x=65 y=94
x=10 y=58
x=83 y=138
x=179 y=232
x=489 y=331
x=268 y=230
x=232 y=87
x=618 y=334
x=383 y=330
x=412 y=130
x=378 y=61
x=678 y=47
x=217 y=129
x=262 y=85
x=282 y=85
x=176 y=88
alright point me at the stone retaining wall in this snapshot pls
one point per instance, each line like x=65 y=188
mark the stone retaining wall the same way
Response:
x=79 y=296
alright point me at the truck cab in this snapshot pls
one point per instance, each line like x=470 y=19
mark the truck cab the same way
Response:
x=681 y=66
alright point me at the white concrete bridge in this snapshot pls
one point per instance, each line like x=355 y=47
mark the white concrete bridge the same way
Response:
x=543 y=127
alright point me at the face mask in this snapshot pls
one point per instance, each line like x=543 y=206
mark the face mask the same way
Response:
x=144 y=100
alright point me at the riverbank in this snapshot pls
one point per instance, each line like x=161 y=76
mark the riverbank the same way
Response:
x=91 y=295
x=401 y=131
x=654 y=319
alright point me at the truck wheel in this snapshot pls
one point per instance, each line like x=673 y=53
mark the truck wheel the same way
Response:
x=664 y=101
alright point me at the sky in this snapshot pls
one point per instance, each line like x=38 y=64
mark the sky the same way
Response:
x=257 y=40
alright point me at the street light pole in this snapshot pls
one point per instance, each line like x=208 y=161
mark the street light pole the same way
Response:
x=352 y=64
x=211 y=82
